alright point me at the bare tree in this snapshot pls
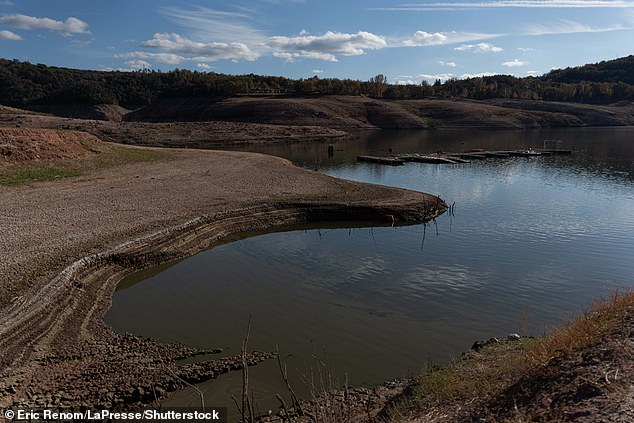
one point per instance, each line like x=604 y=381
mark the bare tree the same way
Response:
x=378 y=83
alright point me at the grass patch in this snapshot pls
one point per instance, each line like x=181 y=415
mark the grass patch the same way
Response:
x=122 y=155
x=34 y=173
x=57 y=169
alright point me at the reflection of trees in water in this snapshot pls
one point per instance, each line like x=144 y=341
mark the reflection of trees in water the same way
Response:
x=602 y=151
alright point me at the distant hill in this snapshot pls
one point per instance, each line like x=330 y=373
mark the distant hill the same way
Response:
x=26 y=85
x=618 y=70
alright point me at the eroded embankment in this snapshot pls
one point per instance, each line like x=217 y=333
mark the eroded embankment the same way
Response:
x=60 y=353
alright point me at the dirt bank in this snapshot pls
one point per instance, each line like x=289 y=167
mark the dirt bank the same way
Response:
x=205 y=122
x=69 y=242
x=173 y=134
x=18 y=145
x=350 y=113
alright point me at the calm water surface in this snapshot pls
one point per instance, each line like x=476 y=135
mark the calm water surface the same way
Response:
x=531 y=242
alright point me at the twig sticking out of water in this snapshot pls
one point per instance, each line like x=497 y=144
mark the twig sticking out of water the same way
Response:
x=294 y=401
x=286 y=416
x=422 y=244
x=200 y=394
x=246 y=404
x=451 y=209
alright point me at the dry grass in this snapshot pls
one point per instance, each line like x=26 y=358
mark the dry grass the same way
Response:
x=454 y=392
x=582 y=331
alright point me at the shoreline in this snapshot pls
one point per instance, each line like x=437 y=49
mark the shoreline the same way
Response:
x=56 y=349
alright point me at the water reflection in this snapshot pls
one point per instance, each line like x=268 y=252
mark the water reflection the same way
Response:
x=530 y=242
x=605 y=152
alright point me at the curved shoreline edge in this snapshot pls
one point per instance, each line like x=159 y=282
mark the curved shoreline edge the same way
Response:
x=62 y=325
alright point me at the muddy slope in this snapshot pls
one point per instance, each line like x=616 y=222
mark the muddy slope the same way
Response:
x=330 y=112
x=341 y=112
x=19 y=145
x=172 y=134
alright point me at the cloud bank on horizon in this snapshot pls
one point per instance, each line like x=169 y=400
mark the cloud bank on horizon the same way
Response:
x=303 y=38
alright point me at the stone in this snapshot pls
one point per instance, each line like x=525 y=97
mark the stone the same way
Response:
x=513 y=337
x=478 y=345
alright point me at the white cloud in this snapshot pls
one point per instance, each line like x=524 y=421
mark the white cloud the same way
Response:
x=206 y=52
x=501 y=4
x=173 y=48
x=6 y=3
x=324 y=47
x=217 y=25
x=448 y=64
x=477 y=75
x=525 y=49
x=564 y=26
x=138 y=64
x=292 y=57
x=422 y=38
x=442 y=76
x=204 y=66
x=69 y=26
x=532 y=73
x=167 y=58
x=316 y=71
x=446 y=76
x=8 y=35
x=514 y=63
x=479 y=48
x=405 y=82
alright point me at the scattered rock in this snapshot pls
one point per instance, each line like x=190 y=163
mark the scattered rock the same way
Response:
x=478 y=345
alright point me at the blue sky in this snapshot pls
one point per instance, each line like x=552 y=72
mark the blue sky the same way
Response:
x=408 y=41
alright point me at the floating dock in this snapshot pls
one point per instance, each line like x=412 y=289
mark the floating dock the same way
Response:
x=456 y=158
x=392 y=161
x=556 y=151
x=469 y=156
x=425 y=158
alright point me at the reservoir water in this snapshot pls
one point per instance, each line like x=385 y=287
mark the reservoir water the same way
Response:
x=530 y=242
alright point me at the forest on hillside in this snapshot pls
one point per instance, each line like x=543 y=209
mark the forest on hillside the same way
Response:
x=23 y=84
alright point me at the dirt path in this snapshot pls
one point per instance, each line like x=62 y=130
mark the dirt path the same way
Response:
x=67 y=243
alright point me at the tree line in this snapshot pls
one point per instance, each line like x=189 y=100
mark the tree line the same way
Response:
x=23 y=84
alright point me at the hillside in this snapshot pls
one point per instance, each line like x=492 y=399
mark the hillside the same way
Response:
x=208 y=122
x=26 y=85
x=349 y=113
x=618 y=70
